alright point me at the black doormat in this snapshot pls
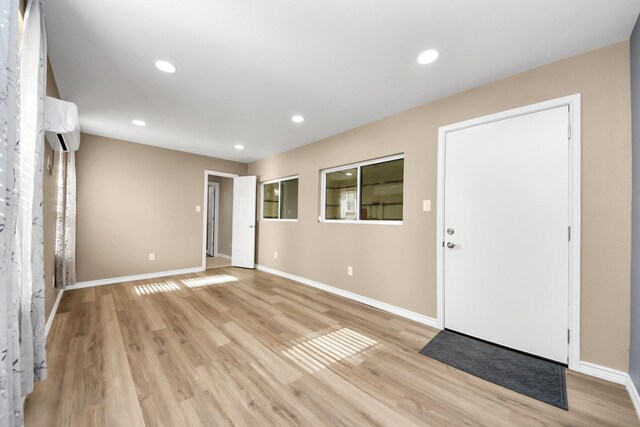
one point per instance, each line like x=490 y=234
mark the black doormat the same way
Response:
x=537 y=378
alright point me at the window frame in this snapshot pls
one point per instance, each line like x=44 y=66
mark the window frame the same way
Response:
x=279 y=181
x=358 y=165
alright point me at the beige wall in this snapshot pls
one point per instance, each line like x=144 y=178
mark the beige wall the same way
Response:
x=397 y=264
x=225 y=213
x=135 y=199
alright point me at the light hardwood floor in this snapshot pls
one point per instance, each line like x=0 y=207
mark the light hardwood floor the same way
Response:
x=242 y=347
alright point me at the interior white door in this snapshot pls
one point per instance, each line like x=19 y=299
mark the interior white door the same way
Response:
x=506 y=210
x=244 y=222
x=211 y=218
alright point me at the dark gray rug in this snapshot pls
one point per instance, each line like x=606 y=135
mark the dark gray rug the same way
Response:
x=537 y=378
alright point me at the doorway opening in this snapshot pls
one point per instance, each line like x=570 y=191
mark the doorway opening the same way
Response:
x=217 y=219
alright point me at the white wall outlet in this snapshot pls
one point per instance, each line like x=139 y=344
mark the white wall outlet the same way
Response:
x=349 y=271
x=426 y=205
x=198 y=208
x=275 y=254
x=152 y=257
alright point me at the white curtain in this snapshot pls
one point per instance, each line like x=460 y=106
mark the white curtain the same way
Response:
x=33 y=75
x=22 y=352
x=10 y=383
x=66 y=221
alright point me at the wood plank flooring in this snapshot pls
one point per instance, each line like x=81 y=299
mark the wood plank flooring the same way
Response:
x=245 y=348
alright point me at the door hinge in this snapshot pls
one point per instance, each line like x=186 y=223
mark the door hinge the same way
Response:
x=569 y=130
x=443 y=243
x=569 y=336
x=569 y=233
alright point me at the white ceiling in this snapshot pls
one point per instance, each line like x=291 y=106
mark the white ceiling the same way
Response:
x=246 y=66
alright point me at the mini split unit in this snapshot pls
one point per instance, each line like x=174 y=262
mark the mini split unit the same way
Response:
x=61 y=125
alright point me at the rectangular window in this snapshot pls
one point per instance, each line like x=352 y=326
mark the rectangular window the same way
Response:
x=280 y=199
x=364 y=192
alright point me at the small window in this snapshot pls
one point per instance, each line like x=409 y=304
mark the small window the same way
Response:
x=364 y=192
x=280 y=199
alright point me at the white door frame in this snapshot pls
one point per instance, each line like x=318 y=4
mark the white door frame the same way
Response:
x=216 y=210
x=573 y=102
x=208 y=173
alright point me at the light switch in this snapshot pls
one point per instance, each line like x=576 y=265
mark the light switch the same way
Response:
x=152 y=257
x=349 y=271
x=197 y=208
x=426 y=205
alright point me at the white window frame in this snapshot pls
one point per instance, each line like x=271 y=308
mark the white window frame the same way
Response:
x=358 y=165
x=279 y=181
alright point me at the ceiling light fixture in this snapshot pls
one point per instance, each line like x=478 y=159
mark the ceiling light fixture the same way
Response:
x=428 y=56
x=297 y=119
x=138 y=122
x=238 y=147
x=165 y=66
x=348 y=174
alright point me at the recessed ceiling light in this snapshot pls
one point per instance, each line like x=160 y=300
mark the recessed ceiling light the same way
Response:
x=165 y=66
x=138 y=122
x=297 y=119
x=428 y=56
x=238 y=147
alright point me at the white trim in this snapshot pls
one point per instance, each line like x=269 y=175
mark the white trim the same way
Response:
x=261 y=201
x=204 y=216
x=286 y=178
x=224 y=256
x=613 y=376
x=54 y=310
x=358 y=166
x=362 y=221
x=420 y=318
x=603 y=373
x=573 y=102
x=114 y=280
x=633 y=394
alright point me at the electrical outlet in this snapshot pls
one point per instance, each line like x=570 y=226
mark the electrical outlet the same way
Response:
x=152 y=257
x=426 y=205
x=198 y=208
x=275 y=254
x=349 y=271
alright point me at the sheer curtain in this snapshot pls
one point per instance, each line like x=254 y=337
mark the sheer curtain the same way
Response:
x=10 y=379
x=66 y=221
x=22 y=351
x=33 y=74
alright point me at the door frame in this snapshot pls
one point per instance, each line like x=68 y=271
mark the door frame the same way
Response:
x=573 y=102
x=205 y=196
x=216 y=210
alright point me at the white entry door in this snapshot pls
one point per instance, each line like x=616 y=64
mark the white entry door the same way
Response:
x=244 y=222
x=506 y=218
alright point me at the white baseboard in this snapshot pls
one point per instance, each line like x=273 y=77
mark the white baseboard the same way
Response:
x=54 y=310
x=613 y=376
x=224 y=256
x=113 y=280
x=420 y=318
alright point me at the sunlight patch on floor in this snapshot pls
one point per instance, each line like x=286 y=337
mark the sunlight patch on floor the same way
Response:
x=318 y=352
x=156 y=288
x=199 y=282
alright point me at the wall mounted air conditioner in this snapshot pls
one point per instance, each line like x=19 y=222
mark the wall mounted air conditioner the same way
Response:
x=61 y=125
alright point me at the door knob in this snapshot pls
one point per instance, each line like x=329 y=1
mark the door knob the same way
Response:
x=251 y=226
x=451 y=245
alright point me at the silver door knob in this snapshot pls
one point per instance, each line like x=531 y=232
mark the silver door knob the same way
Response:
x=251 y=226
x=451 y=245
